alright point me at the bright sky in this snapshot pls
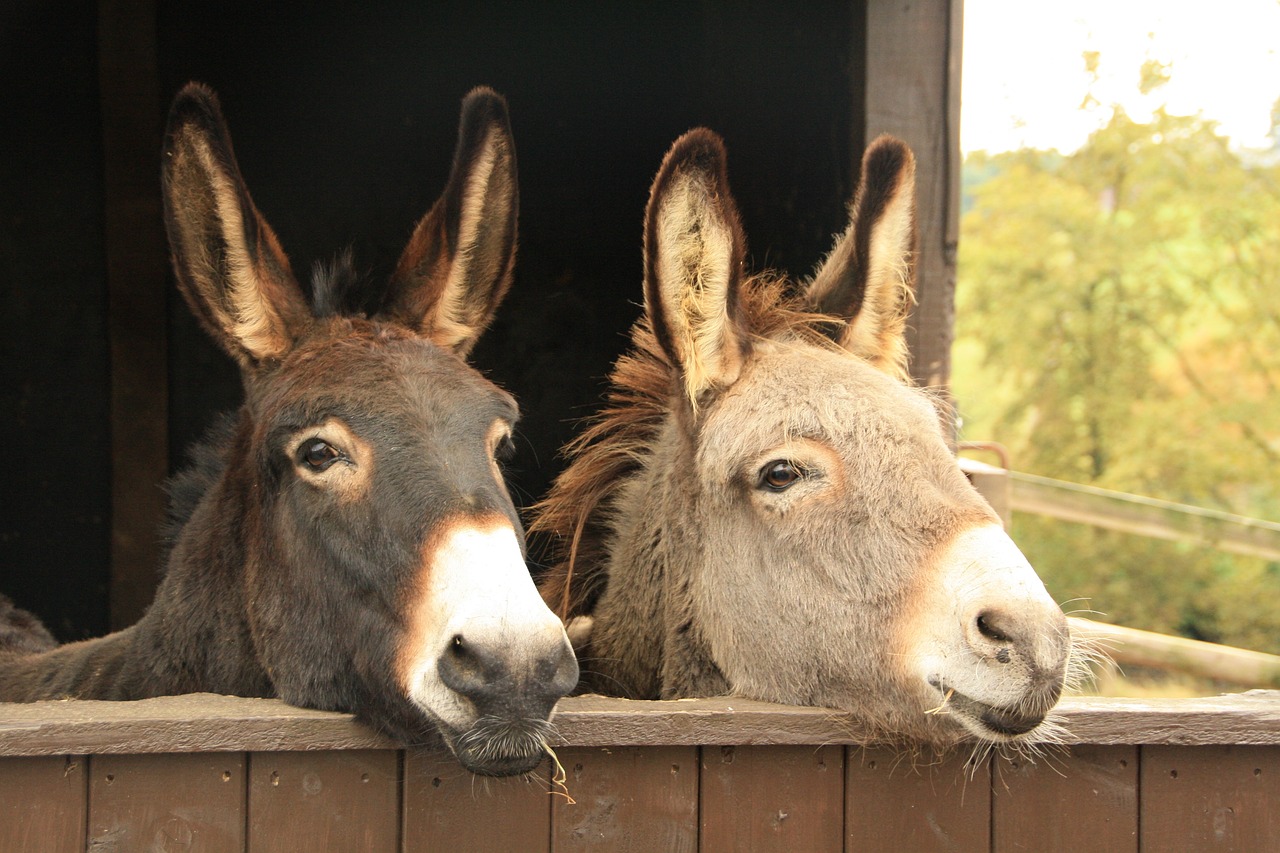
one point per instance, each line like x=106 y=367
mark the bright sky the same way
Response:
x=1024 y=76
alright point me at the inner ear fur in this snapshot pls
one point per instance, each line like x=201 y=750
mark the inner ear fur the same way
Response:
x=867 y=281
x=460 y=260
x=229 y=264
x=694 y=250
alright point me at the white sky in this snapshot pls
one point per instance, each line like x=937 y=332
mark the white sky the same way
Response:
x=1024 y=77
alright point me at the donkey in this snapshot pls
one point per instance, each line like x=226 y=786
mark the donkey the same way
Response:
x=345 y=540
x=765 y=508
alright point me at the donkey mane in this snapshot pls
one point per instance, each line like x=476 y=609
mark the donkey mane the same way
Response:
x=573 y=520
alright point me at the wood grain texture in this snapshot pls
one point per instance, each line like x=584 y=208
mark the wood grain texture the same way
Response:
x=911 y=77
x=1210 y=798
x=772 y=798
x=1087 y=800
x=324 y=802
x=43 y=802
x=627 y=800
x=447 y=808
x=209 y=723
x=922 y=803
x=193 y=803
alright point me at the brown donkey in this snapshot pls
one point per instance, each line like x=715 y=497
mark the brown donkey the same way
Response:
x=766 y=509
x=345 y=541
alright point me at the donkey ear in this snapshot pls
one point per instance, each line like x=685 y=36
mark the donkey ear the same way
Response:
x=228 y=261
x=867 y=280
x=693 y=259
x=459 y=261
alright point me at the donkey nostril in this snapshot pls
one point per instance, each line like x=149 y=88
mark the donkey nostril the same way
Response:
x=987 y=629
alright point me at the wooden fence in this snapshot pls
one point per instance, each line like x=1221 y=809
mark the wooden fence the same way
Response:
x=213 y=773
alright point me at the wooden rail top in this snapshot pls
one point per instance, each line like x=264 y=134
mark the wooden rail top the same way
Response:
x=210 y=723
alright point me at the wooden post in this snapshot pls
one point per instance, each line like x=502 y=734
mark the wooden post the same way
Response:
x=136 y=282
x=912 y=89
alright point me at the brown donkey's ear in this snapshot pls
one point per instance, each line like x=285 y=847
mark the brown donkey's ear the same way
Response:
x=867 y=280
x=460 y=259
x=693 y=258
x=229 y=264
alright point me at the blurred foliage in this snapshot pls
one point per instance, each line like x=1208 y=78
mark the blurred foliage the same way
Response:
x=1118 y=324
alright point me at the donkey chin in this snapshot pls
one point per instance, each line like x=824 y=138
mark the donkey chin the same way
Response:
x=998 y=663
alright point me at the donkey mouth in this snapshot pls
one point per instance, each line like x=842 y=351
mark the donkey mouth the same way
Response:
x=498 y=746
x=984 y=719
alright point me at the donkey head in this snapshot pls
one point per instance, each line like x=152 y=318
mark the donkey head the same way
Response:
x=378 y=554
x=818 y=543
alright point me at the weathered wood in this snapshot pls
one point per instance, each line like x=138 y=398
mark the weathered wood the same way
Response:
x=198 y=722
x=1210 y=798
x=43 y=802
x=922 y=803
x=191 y=803
x=1087 y=800
x=772 y=798
x=447 y=808
x=1179 y=654
x=1143 y=516
x=136 y=298
x=311 y=802
x=205 y=722
x=911 y=57
x=627 y=800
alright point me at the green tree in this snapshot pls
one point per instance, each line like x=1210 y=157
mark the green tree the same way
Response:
x=1118 y=324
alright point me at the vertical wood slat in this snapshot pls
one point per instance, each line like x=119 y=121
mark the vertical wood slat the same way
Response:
x=313 y=802
x=136 y=283
x=628 y=800
x=43 y=803
x=1206 y=798
x=896 y=802
x=192 y=802
x=911 y=79
x=1085 y=801
x=772 y=798
x=447 y=808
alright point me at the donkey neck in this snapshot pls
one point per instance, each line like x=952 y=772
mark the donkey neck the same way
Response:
x=194 y=637
x=645 y=641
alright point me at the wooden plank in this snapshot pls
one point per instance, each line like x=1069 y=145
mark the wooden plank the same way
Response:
x=1210 y=798
x=911 y=80
x=195 y=722
x=1179 y=654
x=136 y=298
x=193 y=803
x=772 y=798
x=1144 y=516
x=896 y=801
x=312 y=802
x=1087 y=800
x=628 y=800
x=208 y=723
x=43 y=803
x=448 y=808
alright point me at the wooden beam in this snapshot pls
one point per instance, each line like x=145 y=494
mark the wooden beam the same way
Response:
x=136 y=284
x=1179 y=654
x=911 y=89
x=1143 y=516
x=203 y=722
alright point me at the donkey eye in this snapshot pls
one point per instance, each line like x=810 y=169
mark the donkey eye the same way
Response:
x=318 y=454
x=780 y=475
x=505 y=450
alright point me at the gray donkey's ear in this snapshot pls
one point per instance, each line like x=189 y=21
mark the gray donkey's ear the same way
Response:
x=461 y=258
x=868 y=279
x=693 y=264
x=229 y=264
